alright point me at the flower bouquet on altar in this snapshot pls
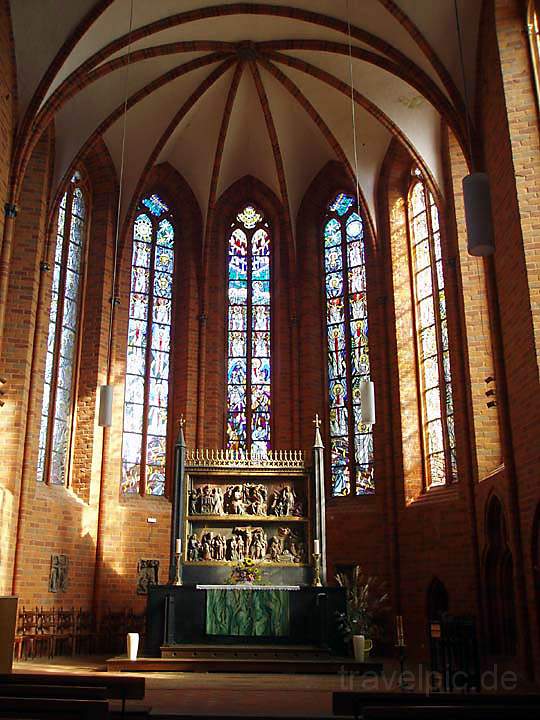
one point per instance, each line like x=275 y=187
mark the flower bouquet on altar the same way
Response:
x=245 y=572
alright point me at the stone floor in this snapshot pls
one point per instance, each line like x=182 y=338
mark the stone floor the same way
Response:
x=224 y=694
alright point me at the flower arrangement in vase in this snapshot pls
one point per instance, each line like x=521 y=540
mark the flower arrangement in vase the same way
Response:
x=246 y=572
x=367 y=605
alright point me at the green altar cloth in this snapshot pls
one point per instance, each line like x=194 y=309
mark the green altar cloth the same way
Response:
x=247 y=612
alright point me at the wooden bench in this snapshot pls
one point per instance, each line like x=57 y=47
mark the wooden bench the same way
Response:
x=58 y=708
x=116 y=687
x=353 y=704
x=452 y=712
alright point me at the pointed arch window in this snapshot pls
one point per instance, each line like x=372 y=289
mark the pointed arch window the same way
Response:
x=146 y=400
x=435 y=378
x=61 y=363
x=351 y=442
x=248 y=425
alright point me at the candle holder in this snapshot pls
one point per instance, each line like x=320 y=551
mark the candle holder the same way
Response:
x=178 y=570
x=402 y=657
x=316 y=570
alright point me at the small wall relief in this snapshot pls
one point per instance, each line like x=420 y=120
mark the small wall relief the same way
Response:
x=58 y=576
x=147 y=574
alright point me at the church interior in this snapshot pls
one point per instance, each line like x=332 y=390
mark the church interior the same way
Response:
x=269 y=347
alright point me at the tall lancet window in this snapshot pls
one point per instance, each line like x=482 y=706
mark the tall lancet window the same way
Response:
x=248 y=335
x=61 y=360
x=351 y=442
x=144 y=444
x=432 y=335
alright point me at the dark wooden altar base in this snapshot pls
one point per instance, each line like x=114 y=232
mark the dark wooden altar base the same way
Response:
x=241 y=665
x=186 y=651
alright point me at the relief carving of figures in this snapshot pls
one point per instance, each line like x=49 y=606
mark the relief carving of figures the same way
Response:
x=235 y=500
x=258 y=545
x=207 y=500
x=219 y=547
x=217 y=501
x=58 y=577
x=283 y=502
x=247 y=542
x=194 y=501
x=206 y=546
x=147 y=574
x=275 y=548
x=193 y=548
x=256 y=497
x=293 y=544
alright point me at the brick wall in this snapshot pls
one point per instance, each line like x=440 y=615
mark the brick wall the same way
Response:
x=17 y=362
x=508 y=122
x=434 y=530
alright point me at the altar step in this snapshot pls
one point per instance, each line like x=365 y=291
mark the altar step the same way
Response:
x=187 y=651
x=246 y=664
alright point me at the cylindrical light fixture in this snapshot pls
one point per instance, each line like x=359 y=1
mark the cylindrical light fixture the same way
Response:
x=367 y=402
x=477 y=198
x=105 y=405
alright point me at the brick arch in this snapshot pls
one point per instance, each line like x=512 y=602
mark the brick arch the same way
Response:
x=437 y=600
x=498 y=575
x=212 y=353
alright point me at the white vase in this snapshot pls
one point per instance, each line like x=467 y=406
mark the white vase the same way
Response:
x=361 y=647
x=132 y=645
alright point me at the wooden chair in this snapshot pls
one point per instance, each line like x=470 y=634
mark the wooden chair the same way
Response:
x=84 y=631
x=63 y=633
x=25 y=637
x=45 y=626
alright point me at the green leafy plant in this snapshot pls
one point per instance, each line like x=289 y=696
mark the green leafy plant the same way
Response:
x=367 y=605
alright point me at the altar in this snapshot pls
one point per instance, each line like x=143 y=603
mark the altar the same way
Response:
x=236 y=514
x=278 y=616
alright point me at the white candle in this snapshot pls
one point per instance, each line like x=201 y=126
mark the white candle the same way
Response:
x=316 y=547
x=178 y=546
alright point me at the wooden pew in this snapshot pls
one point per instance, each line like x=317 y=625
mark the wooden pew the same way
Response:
x=117 y=687
x=452 y=712
x=64 y=692
x=353 y=704
x=59 y=709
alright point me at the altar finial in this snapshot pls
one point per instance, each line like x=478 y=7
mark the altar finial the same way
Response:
x=318 y=440
x=180 y=438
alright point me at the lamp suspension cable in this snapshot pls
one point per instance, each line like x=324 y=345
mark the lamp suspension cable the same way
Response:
x=367 y=388
x=106 y=391
x=476 y=192
x=464 y=83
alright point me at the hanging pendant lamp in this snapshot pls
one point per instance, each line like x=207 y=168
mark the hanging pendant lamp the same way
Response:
x=476 y=191
x=367 y=387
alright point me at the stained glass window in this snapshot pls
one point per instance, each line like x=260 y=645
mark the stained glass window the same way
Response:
x=351 y=442
x=248 y=334
x=61 y=355
x=144 y=445
x=432 y=335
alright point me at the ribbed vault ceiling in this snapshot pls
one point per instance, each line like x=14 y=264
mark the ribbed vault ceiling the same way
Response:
x=228 y=89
